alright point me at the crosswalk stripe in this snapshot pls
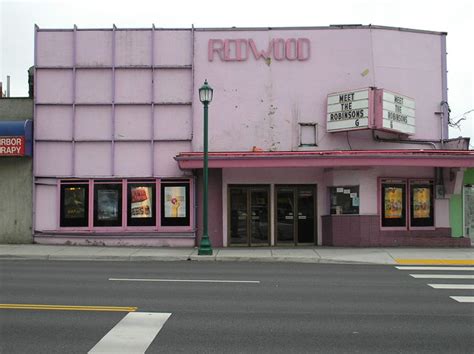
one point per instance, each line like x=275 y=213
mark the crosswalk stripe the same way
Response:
x=442 y=276
x=133 y=334
x=453 y=286
x=435 y=268
x=463 y=298
x=436 y=261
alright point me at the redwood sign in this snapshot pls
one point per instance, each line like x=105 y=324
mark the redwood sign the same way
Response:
x=12 y=146
x=242 y=49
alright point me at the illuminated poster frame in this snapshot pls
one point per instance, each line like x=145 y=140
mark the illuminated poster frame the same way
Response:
x=141 y=204
x=394 y=206
x=74 y=198
x=421 y=203
x=175 y=204
x=107 y=204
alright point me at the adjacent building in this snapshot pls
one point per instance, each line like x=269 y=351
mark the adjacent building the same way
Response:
x=332 y=136
x=16 y=171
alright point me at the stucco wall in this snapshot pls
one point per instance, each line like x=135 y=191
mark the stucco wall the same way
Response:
x=261 y=102
x=15 y=181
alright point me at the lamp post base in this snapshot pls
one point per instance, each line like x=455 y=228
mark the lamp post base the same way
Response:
x=205 y=248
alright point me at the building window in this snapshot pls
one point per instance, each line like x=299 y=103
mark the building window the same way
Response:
x=421 y=203
x=107 y=204
x=344 y=200
x=175 y=206
x=74 y=208
x=308 y=134
x=393 y=203
x=141 y=199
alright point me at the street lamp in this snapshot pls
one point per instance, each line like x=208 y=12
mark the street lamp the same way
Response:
x=205 y=248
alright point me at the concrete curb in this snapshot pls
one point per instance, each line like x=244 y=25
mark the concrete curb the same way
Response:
x=372 y=256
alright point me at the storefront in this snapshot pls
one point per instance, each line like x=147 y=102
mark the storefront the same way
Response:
x=317 y=136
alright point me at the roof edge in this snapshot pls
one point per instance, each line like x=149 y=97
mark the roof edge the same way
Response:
x=240 y=29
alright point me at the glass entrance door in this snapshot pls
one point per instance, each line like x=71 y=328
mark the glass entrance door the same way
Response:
x=259 y=216
x=285 y=218
x=238 y=216
x=249 y=215
x=295 y=214
x=305 y=227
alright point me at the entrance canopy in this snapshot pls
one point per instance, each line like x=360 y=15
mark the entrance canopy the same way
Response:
x=329 y=158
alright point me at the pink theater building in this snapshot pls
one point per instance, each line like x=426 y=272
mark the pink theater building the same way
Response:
x=331 y=136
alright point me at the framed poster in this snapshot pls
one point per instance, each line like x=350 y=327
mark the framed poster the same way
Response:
x=421 y=204
x=74 y=205
x=175 y=201
x=141 y=204
x=108 y=205
x=393 y=204
x=175 y=204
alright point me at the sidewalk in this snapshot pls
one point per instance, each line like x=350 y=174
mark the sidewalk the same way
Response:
x=452 y=256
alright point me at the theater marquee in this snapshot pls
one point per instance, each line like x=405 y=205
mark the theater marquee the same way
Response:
x=370 y=108
x=348 y=110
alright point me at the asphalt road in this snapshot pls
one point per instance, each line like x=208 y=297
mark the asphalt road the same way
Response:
x=292 y=308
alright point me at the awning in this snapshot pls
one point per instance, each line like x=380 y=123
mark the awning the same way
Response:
x=329 y=158
x=16 y=138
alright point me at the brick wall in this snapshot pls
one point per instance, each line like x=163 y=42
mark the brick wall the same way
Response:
x=364 y=231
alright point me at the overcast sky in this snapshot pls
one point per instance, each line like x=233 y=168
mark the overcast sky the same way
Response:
x=17 y=19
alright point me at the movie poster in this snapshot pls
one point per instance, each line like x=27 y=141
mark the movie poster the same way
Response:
x=175 y=202
x=421 y=202
x=141 y=202
x=74 y=202
x=393 y=203
x=108 y=205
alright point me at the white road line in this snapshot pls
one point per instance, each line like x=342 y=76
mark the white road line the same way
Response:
x=435 y=268
x=442 y=276
x=453 y=286
x=133 y=334
x=463 y=298
x=189 y=280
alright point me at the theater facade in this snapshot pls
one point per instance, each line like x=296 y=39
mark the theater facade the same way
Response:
x=332 y=136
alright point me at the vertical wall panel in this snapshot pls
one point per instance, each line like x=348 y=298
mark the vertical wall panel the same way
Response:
x=133 y=122
x=93 y=123
x=94 y=86
x=165 y=165
x=132 y=159
x=93 y=159
x=173 y=48
x=53 y=122
x=133 y=48
x=133 y=86
x=94 y=48
x=166 y=89
x=173 y=122
x=46 y=207
x=54 y=86
x=47 y=48
x=53 y=159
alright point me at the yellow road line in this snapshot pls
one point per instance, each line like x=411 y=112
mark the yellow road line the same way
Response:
x=435 y=261
x=67 y=307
